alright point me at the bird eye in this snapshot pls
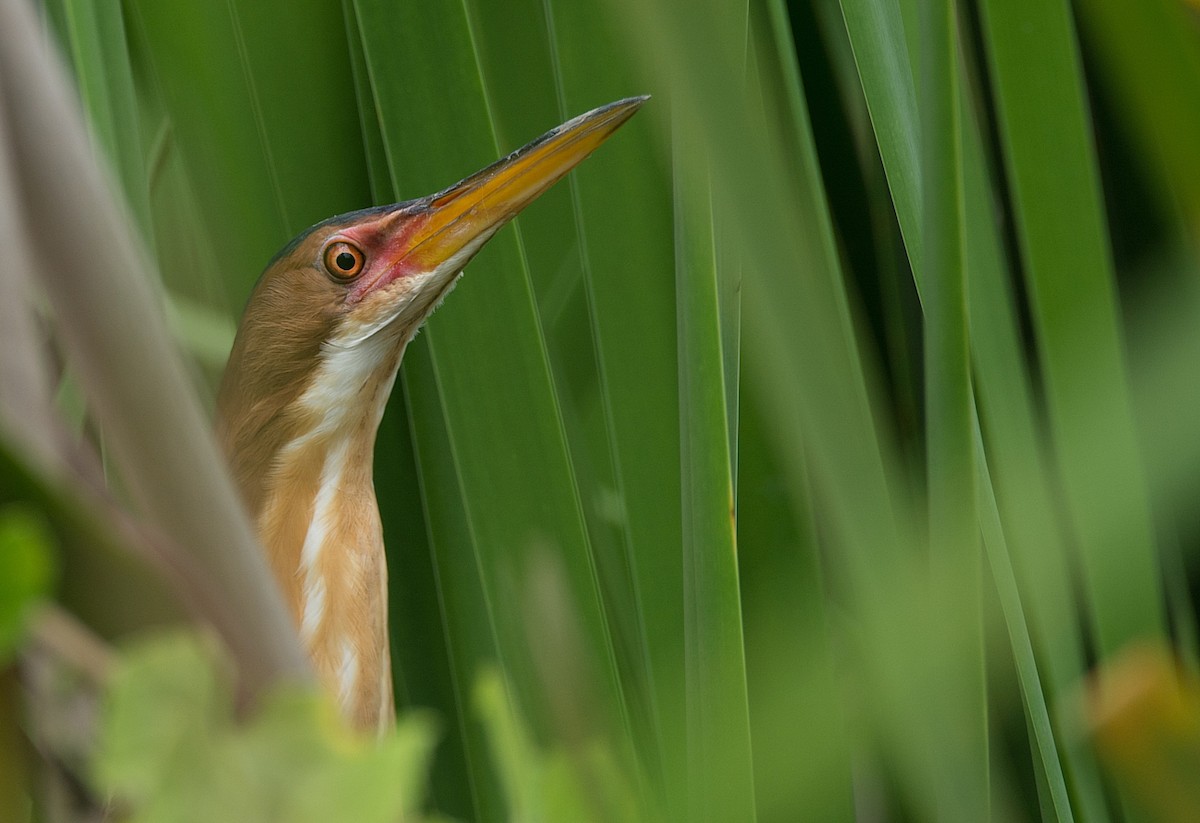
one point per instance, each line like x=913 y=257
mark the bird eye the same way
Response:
x=343 y=260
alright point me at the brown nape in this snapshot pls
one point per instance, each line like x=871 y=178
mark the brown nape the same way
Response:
x=292 y=311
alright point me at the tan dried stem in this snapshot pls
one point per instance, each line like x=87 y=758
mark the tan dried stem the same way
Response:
x=111 y=322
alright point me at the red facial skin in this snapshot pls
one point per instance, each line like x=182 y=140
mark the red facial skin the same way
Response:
x=386 y=242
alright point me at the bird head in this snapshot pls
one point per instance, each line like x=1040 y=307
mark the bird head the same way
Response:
x=326 y=325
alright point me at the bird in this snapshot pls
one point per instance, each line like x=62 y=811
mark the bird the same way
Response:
x=312 y=365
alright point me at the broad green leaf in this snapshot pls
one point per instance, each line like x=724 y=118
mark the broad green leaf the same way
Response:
x=792 y=683
x=1050 y=163
x=164 y=709
x=466 y=613
x=298 y=745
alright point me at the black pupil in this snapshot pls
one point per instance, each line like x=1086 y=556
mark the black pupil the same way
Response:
x=344 y=261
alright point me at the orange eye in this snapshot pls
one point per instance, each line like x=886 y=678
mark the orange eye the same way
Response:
x=343 y=260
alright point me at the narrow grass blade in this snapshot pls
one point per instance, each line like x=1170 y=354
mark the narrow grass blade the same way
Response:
x=951 y=470
x=876 y=29
x=487 y=353
x=783 y=228
x=793 y=689
x=1000 y=563
x=623 y=218
x=467 y=614
x=953 y=523
x=1050 y=163
x=268 y=154
x=599 y=251
x=1020 y=467
x=95 y=32
x=806 y=348
x=720 y=777
x=1020 y=476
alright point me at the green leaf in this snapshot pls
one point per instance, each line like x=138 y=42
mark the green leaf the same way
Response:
x=206 y=333
x=1051 y=167
x=171 y=749
x=95 y=33
x=720 y=774
x=268 y=153
x=26 y=572
x=1151 y=56
x=1001 y=378
x=605 y=242
x=876 y=29
x=955 y=547
x=164 y=710
x=581 y=784
x=800 y=349
x=487 y=351
x=792 y=682
x=315 y=770
x=1045 y=745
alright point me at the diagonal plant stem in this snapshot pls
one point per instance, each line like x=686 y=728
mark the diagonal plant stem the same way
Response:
x=112 y=325
x=25 y=403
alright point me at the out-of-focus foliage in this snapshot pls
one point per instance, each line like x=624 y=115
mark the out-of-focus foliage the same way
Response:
x=1144 y=712
x=27 y=566
x=584 y=783
x=171 y=750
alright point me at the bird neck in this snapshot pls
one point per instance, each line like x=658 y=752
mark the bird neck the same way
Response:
x=316 y=515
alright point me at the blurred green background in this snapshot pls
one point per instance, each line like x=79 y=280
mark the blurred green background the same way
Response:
x=798 y=457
